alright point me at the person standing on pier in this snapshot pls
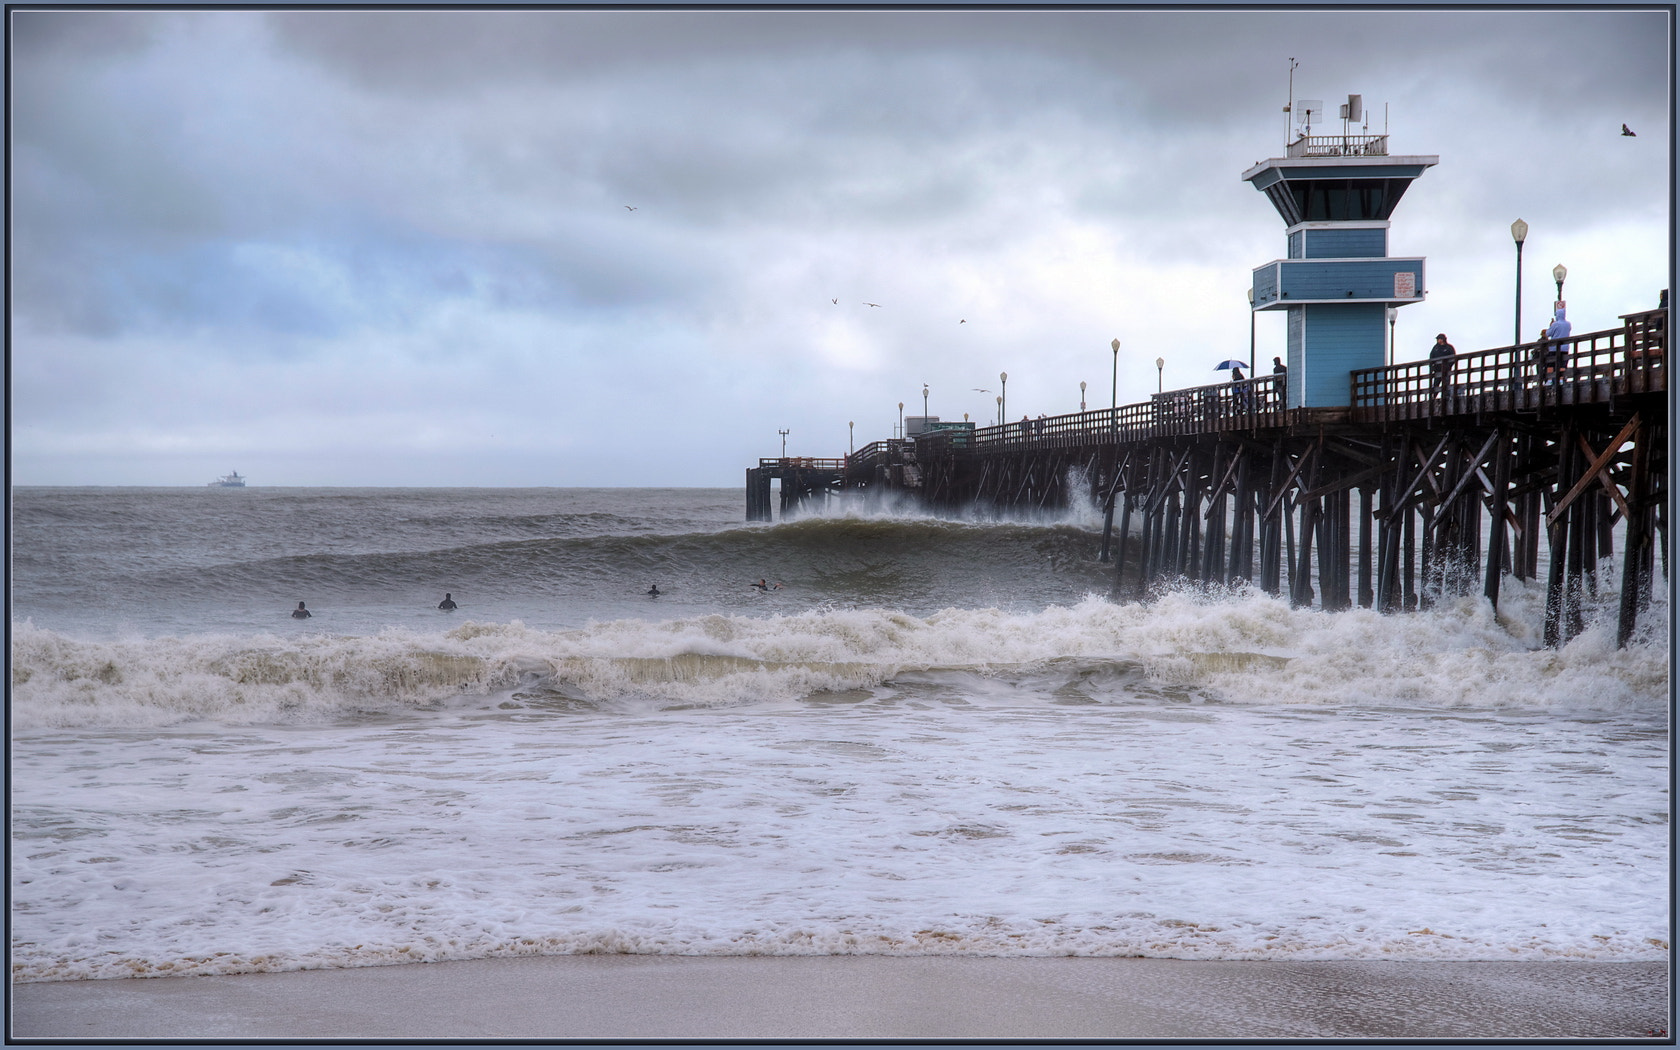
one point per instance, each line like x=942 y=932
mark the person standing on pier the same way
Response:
x=1441 y=364
x=1281 y=370
x=1546 y=363
x=1558 y=332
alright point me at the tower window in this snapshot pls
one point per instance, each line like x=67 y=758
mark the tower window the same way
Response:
x=1319 y=200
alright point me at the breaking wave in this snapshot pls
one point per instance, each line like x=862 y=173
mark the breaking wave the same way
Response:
x=1237 y=647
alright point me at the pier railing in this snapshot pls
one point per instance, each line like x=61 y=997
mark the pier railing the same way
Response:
x=805 y=462
x=1596 y=367
x=1248 y=405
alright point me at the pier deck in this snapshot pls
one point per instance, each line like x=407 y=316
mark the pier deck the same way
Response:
x=1461 y=477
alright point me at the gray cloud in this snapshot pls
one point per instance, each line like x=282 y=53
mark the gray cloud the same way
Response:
x=414 y=216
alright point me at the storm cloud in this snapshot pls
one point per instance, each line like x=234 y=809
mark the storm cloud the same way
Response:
x=568 y=247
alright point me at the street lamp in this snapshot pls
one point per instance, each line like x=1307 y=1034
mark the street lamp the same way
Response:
x=851 y=437
x=901 y=419
x=1251 y=330
x=784 y=442
x=1558 y=274
x=1082 y=395
x=924 y=404
x=1393 y=312
x=1160 y=363
x=1114 y=379
x=1003 y=398
x=999 y=400
x=1519 y=233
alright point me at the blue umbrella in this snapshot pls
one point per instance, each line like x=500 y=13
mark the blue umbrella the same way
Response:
x=1226 y=366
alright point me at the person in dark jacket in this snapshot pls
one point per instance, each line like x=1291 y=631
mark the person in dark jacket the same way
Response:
x=300 y=613
x=1441 y=364
x=448 y=603
x=1281 y=370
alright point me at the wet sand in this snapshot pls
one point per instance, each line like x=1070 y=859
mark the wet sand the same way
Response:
x=858 y=997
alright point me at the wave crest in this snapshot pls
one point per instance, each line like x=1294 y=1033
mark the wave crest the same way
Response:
x=1240 y=647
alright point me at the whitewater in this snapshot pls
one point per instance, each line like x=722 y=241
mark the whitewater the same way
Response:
x=928 y=737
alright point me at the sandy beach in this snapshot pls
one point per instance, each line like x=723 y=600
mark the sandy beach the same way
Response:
x=853 y=997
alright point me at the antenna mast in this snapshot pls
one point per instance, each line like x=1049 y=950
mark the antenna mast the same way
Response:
x=1288 y=102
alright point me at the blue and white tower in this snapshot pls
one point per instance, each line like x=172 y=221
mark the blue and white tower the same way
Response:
x=1335 y=193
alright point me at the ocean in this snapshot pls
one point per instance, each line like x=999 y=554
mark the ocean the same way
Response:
x=923 y=737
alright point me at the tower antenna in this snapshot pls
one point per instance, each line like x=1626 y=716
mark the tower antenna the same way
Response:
x=1289 y=120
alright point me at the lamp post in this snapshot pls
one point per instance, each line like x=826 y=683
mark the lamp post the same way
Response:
x=1558 y=274
x=1003 y=397
x=901 y=419
x=1393 y=312
x=1519 y=233
x=1082 y=395
x=1114 y=378
x=999 y=400
x=924 y=404
x=851 y=437
x=1251 y=330
x=1160 y=363
x=784 y=442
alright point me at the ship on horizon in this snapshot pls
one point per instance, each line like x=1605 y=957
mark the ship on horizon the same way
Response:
x=229 y=481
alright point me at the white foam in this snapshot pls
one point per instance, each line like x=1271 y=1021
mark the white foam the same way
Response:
x=1234 y=647
x=917 y=818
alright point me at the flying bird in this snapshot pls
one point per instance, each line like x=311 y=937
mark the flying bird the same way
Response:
x=962 y=322
x=631 y=208
x=1627 y=132
x=981 y=390
x=872 y=304
x=836 y=302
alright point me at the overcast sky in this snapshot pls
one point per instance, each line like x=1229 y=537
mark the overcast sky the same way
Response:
x=397 y=248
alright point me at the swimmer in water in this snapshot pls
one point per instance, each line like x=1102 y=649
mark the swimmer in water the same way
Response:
x=300 y=613
x=653 y=592
x=761 y=585
x=448 y=603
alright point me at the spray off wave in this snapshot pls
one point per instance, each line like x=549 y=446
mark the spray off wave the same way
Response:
x=1242 y=647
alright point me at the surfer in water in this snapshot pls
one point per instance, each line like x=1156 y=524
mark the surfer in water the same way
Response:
x=448 y=603
x=300 y=613
x=763 y=586
x=653 y=592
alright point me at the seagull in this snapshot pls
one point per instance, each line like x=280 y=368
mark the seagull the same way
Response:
x=836 y=302
x=1628 y=133
x=962 y=322
x=981 y=390
x=872 y=304
x=628 y=206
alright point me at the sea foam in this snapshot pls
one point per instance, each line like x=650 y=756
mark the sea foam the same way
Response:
x=1236 y=646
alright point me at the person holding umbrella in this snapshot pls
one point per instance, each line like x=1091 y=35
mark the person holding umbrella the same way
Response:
x=1243 y=394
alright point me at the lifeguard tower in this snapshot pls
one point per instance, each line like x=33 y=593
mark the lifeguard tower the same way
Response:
x=1335 y=194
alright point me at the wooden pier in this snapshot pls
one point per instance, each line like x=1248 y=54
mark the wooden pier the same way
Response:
x=1427 y=486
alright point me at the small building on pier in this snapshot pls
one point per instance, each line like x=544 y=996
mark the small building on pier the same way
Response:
x=1335 y=194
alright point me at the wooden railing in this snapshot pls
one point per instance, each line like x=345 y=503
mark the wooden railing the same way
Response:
x=1596 y=367
x=1248 y=405
x=787 y=462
